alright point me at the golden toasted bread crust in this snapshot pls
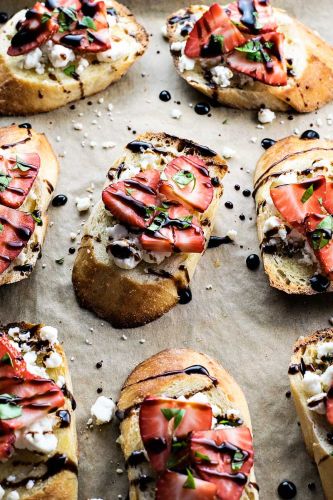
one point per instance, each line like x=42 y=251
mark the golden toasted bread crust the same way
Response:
x=314 y=438
x=151 y=378
x=26 y=140
x=121 y=296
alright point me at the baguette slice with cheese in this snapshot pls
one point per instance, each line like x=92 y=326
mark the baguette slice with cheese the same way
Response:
x=189 y=377
x=41 y=462
x=288 y=260
x=309 y=77
x=33 y=86
x=15 y=143
x=311 y=377
x=129 y=297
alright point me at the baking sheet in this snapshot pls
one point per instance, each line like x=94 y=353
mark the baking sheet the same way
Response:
x=241 y=321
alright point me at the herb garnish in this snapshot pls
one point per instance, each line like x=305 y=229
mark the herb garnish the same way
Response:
x=178 y=445
x=189 y=483
x=204 y=458
x=255 y=51
x=60 y=261
x=21 y=165
x=9 y=409
x=70 y=70
x=307 y=194
x=1 y=228
x=46 y=17
x=177 y=414
x=322 y=235
x=37 y=219
x=88 y=22
x=4 y=182
x=238 y=460
x=183 y=177
x=67 y=15
x=6 y=360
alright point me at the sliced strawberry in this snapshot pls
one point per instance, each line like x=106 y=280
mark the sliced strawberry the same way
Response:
x=51 y=4
x=34 y=31
x=223 y=457
x=175 y=230
x=158 y=426
x=328 y=201
x=16 y=229
x=262 y=58
x=329 y=406
x=174 y=486
x=188 y=182
x=287 y=199
x=319 y=232
x=21 y=174
x=11 y=361
x=213 y=34
x=133 y=201
x=252 y=16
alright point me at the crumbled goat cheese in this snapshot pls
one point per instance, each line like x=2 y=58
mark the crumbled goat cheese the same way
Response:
x=265 y=115
x=60 y=381
x=287 y=178
x=30 y=484
x=130 y=172
x=13 y=331
x=13 y=495
x=117 y=232
x=50 y=334
x=228 y=152
x=185 y=63
x=232 y=234
x=32 y=60
x=325 y=349
x=83 y=204
x=177 y=46
x=59 y=56
x=54 y=360
x=103 y=410
x=176 y=114
x=38 y=436
x=82 y=66
x=154 y=257
x=2 y=492
x=312 y=383
x=30 y=358
x=132 y=260
x=321 y=163
x=116 y=52
x=271 y=224
x=320 y=406
x=327 y=377
x=221 y=75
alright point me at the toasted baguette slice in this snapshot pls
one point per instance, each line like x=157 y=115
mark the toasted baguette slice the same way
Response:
x=290 y=274
x=13 y=141
x=129 y=298
x=23 y=91
x=58 y=480
x=163 y=375
x=314 y=426
x=309 y=89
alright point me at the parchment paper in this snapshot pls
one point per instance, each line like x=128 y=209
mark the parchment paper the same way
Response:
x=241 y=321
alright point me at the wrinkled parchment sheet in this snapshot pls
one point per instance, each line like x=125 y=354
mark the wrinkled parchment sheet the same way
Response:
x=249 y=327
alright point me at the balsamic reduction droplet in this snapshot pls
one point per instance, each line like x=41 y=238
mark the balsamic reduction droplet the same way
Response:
x=312 y=486
x=25 y=125
x=287 y=489
x=267 y=143
x=185 y=295
x=65 y=418
x=165 y=95
x=253 y=262
x=59 y=200
x=99 y=364
x=310 y=134
x=242 y=217
x=202 y=108
x=71 y=250
x=229 y=204
x=246 y=193
x=215 y=181
x=237 y=187
x=319 y=283
x=3 y=17
x=216 y=241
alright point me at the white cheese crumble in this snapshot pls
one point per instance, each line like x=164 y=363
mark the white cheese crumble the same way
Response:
x=30 y=358
x=117 y=232
x=38 y=436
x=265 y=115
x=175 y=113
x=12 y=331
x=2 y=492
x=327 y=377
x=82 y=66
x=32 y=60
x=228 y=152
x=117 y=51
x=59 y=56
x=316 y=403
x=13 y=495
x=221 y=75
x=50 y=334
x=103 y=410
x=83 y=204
x=325 y=349
x=312 y=383
x=54 y=360
x=232 y=234
x=271 y=223
x=30 y=484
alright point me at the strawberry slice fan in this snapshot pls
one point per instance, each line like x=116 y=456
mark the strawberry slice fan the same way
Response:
x=193 y=461
x=308 y=207
x=17 y=176
x=79 y=25
x=24 y=397
x=163 y=205
x=244 y=35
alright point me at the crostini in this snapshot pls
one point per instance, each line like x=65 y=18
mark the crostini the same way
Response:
x=28 y=175
x=293 y=192
x=145 y=236
x=249 y=55
x=186 y=430
x=38 y=447
x=59 y=51
x=311 y=381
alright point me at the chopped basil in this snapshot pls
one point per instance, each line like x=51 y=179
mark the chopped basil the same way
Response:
x=88 y=22
x=188 y=221
x=6 y=360
x=322 y=235
x=183 y=177
x=150 y=211
x=320 y=201
x=177 y=414
x=9 y=410
x=179 y=445
x=21 y=165
x=90 y=36
x=60 y=261
x=70 y=70
x=67 y=15
x=158 y=222
x=307 y=194
x=45 y=17
x=1 y=228
x=218 y=39
x=4 y=182
x=255 y=51
x=238 y=461
x=129 y=191
x=189 y=483
x=202 y=457
x=257 y=24
x=225 y=121
x=37 y=219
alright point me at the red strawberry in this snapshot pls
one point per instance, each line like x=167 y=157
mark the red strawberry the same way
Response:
x=213 y=22
x=76 y=4
x=21 y=174
x=133 y=201
x=263 y=20
x=328 y=201
x=329 y=406
x=174 y=230
x=287 y=198
x=32 y=396
x=162 y=418
x=319 y=232
x=16 y=229
x=261 y=58
x=170 y=486
x=188 y=182
x=225 y=458
x=34 y=31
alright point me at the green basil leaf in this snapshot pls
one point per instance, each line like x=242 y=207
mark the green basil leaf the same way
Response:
x=4 y=182
x=178 y=418
x=179 y=445
x=21 y=165
x=88 y=22
x=9 y=410
x=307 y=194
x=237 y=461
x=37 y=219
x=6 y=360
x=45 y=17
x=70 y=70
x=204 y=458
x=183 y=178
x=177 y=414
x=1 y=228
x=189 y=483
x=218 y=39
x=326 y=223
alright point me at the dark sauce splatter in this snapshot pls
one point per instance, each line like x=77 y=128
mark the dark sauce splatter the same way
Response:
x=185 y=295
x=286 y=490
x=165 y=96
x=310 y=134
x=253 y=262
x=319 y=283
x=59 y=200
x=267 y=143
x=216 y=241
x=229 y=204
x=202 y=108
